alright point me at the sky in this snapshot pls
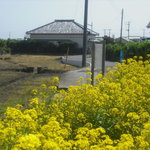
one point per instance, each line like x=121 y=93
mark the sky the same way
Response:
x=19 y=16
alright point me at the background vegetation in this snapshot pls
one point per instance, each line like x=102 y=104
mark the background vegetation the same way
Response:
x=113 y=48
x=129 y=49
x=39 y=47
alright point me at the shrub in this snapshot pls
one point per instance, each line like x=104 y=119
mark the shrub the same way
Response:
x=42 y=47
x=3 y=47
x=68 y=45
x=130 y=49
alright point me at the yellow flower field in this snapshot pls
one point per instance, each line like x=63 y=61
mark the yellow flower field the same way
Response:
x=112 y=115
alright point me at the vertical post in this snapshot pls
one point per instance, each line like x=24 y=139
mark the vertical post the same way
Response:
x=85 y=34
x=103 y=57
x=66 y=57
x=121 y=56
x=121 y=32
x=121 y=26
x=93 y=63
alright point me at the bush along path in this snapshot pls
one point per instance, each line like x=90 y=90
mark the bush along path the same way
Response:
x=113 y=114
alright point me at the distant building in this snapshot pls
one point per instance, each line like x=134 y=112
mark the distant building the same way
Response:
x=61 y=30
x=123 y=40
x=148 y=26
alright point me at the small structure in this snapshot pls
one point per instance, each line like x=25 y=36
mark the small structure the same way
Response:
x=61 y=30
x=148 y=26
x=124 y=40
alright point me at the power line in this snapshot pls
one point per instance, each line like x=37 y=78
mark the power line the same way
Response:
x=107 y=32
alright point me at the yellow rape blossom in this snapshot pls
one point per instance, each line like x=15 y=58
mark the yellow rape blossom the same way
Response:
x=114 y=114
x=28 y=142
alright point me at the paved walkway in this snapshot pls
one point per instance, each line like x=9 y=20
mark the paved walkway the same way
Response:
x=72 y=77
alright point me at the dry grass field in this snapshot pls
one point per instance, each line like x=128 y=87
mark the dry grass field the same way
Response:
x=15 y=85
x=51 y=62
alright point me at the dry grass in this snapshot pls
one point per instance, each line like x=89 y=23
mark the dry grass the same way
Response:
x=51 y=62
x=7 y=64
x=10 y=76
x=19 y=92
x=15 y=86
x=19 y=61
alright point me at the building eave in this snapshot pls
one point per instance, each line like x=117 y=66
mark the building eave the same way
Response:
x=59 y=34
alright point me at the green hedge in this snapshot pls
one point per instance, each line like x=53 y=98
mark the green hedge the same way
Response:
x=130 y=49
x=41 y=47
x=3 y=46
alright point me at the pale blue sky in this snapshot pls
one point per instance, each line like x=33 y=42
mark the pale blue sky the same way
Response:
x=19 y=16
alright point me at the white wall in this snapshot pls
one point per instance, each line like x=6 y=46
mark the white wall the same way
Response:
x=78 y=38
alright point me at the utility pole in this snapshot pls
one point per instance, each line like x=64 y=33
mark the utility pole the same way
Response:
x=128 y=29
x=143 y=32
x=121 y=25
x=85 y=34
x=105 y=32
x=121 y=52
x=9 y=35
x=109 y=31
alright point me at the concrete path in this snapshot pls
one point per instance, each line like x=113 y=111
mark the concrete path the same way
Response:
x=76 y=60
x=72 y=77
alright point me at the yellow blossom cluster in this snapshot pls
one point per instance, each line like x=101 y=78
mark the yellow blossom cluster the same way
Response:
x=114 y=114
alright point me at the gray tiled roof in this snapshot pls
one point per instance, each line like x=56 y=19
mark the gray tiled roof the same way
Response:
x=148 y=26
x=61 y=27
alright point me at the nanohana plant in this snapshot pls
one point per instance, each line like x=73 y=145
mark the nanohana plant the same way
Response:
x=114 y=114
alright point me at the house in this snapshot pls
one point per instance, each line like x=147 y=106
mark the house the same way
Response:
x=61 y=30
